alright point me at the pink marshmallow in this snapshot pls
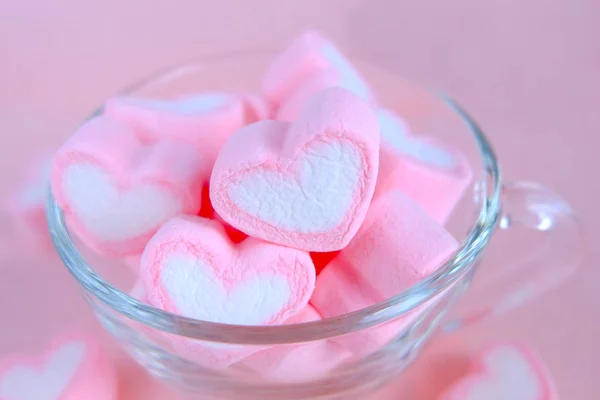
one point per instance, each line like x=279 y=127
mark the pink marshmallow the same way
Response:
x=191 y=268
x=73 y=368
x=341 y=292
x=505 y=371
x=117 y=190
x=291 y=106
x=309 y=54
x=27 y=205
x=298 y=362
x=432 y=174
x=397 y=246
x=306 y=185
x=204 y=121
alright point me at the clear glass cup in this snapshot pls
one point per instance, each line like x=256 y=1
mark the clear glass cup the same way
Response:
x=522 y=218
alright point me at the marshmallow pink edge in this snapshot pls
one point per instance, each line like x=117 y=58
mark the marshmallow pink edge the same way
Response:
x=172 y=239
x=113 y=148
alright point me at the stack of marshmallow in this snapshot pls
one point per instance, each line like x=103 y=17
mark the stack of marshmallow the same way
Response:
x=306 y=201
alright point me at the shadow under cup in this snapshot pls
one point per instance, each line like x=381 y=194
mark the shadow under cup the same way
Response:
x=308 y=360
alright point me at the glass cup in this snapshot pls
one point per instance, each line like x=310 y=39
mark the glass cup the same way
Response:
x=512 y=218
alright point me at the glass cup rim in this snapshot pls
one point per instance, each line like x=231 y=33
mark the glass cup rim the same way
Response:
x=488 y=190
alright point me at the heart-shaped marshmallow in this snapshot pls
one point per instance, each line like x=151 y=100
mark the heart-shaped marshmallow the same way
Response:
x=204 y=121
x=505 y=371
x=116 y=190
x=306 y=185
x=74 y=368
x=433 y=175
x=308 y=55
x=191 y=268
x=397 y=246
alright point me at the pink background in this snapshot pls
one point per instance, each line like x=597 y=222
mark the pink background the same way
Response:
x=529 y=70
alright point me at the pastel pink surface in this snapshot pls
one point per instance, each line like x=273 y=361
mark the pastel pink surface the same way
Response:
x=27 y=205
x=204 y=121
x=190 y=267
x=397 y=246
x=298 y=362
x=130 y=187
x=505 y=371
x=306 y=185
x=431 y=173
x=309 y=53
x=74 y=367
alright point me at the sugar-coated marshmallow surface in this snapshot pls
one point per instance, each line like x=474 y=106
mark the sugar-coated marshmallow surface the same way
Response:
x=117 y=190
x=432 y=174
x=306 y=185
x=73 y=368
x=505 y=371
x=397 y=246
x=204 y=121
x=191 y=267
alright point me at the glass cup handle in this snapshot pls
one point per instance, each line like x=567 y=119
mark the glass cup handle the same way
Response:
x=540 y=244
